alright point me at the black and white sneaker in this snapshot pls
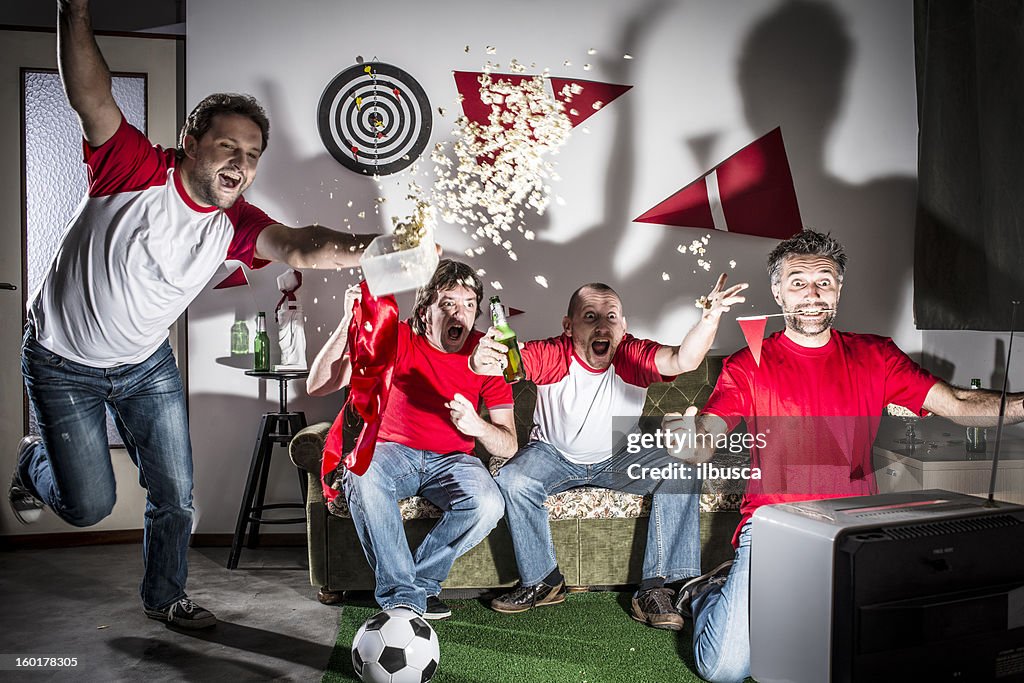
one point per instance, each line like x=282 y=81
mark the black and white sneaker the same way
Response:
x=700 y=585
x=26 y=507
x=436 y=609
x=184 y=614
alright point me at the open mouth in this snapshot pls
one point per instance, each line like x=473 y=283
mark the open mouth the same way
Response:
x=229 y=180
x=600 y=347
x=454 y=332
x=812 y=311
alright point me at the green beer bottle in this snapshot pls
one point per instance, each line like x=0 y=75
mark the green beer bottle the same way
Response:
x=514 y=371
x=976 y=441
x=261 y=345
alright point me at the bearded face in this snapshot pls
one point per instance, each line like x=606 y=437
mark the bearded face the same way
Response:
x=221 y=164
x=808 y=292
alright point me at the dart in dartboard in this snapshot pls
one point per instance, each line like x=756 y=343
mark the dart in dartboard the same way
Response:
x=374 y=119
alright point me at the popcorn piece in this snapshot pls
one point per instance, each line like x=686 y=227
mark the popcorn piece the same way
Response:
x=665 y=276
x=541 y=280
x=496 y=285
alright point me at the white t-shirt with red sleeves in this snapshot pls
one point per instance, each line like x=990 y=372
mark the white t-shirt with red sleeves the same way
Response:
x=135 y=254
x=576 y=403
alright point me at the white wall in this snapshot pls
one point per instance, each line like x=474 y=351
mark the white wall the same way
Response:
x=708 y=78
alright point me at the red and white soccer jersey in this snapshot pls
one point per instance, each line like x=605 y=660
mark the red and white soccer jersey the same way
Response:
x=135 y=254
x=576 y=403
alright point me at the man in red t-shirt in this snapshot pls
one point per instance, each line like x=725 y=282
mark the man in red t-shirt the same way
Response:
x=815 y=398
x=591 y=375
x=425 y=443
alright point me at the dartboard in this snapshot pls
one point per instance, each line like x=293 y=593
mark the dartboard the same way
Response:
x=374 y=118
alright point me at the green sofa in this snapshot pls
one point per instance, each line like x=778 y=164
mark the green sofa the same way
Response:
x=599 y=535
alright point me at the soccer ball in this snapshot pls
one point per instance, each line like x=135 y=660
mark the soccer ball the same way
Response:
x=395 y=646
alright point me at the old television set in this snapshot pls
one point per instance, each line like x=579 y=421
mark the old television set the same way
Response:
x=915 y=586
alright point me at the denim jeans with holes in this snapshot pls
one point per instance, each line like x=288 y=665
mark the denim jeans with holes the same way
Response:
x=539 y=470
x=71 y=470
x=457 y=483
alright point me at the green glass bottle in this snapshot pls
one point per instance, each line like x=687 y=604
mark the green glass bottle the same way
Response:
x=239 y=338
x=515 y=370
x=976 y=440
x=261 y=345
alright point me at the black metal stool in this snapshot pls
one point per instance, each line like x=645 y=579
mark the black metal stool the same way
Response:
x=275 y=428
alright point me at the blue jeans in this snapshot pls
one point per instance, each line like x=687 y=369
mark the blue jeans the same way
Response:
x=457 y=483
x=71 y=470
x=721 y=622
x=539 y=470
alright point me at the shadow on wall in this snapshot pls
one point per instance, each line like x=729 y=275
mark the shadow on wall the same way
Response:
x=793 y=71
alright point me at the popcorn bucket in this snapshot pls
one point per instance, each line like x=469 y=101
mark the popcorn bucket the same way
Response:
x=388 y=270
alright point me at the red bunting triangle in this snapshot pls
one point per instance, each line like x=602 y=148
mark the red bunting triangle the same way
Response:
x=753 y=330
x=750 y=193
x=594 y=97
x=593 y=92
x=235 y=279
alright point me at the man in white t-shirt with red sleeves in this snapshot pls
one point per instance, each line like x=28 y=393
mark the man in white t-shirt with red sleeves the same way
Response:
x=594 y=372
x=151 y=232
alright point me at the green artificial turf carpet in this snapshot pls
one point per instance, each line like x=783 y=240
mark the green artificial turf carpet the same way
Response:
x=590 y=638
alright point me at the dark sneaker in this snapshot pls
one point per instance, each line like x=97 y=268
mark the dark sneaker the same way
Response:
x=700 y=585
x=522 y=598
x=27 y=508
x=184 y=614
x=436 y=609
x=654 y=607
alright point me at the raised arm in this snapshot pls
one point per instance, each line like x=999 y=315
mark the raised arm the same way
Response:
x=332 y=369
x=675 y=360
x=84 y=73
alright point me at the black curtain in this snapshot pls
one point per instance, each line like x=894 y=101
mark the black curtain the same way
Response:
x=969 y=240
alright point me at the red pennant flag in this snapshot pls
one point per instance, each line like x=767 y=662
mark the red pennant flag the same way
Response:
x=753 y=330
x=592 y=93
x=468 y=85
x=235 y=279
x=594 y=97
x=514 y=311
x=750 y=193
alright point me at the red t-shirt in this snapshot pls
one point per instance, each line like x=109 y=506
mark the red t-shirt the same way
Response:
x=816 y=412
x=425 y=379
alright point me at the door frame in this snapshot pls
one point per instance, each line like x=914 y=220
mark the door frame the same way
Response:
x=162 y=58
